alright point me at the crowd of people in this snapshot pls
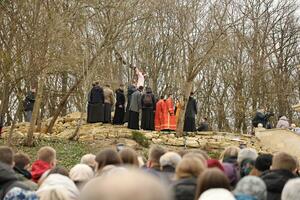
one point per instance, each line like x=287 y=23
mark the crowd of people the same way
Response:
x=141 y=110
x=240 y=174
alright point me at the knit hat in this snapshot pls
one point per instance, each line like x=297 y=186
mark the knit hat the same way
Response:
x=252 y=186
x=263 y=162
x=231 y=173
x=81 y=172
x=291 y=190
x=20 y=194
x=218 y=193
x=247 y=153
x=211 y=163
x=169 y=159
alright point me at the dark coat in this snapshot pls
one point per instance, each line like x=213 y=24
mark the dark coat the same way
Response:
x=185 y=189
x=8 y=180
x=275 y=180
x=120 y=107
x=95 y=111
x=259 y=118
x=96 y=95
x=203 y=126
x=120 y=97
x=191 y=109
x=152 y=105
x=29 y=101
x=130 y=90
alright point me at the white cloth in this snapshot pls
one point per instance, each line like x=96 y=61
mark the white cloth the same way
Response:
x=81 y=172
x=59 y=181
x=217 y=194
x=141 y=78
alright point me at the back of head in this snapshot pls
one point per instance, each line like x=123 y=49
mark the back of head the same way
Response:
x=155 y=153
x=81 y=173
x=197 y=155
x=200 y=152
x=59 y=170
x=247 y=153
x=107 y=157
x=212 y=178
x=130 y=185
x=6 y=155
x=54 y=194
x=252 y=186
x=89 y=159
x=189 y=167
x=129 y=157
x=217 y=194
x=169 y=159
x=21 y=160
x=47 y=154
x=230 y=152
x=291 y=190
x=284 y=161
x=263 y=162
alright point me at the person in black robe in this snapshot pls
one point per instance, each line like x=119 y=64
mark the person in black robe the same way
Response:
x=95 y=112
x=148 y=108
x=190 y=115
x=120 y=106
x=130 y=90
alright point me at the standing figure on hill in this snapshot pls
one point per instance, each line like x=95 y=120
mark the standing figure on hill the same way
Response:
x=120 y=106
x=134 y=109
x=108 y=102
x=262 y=117
x=130 y=90
x=148 y=108
x=141 y=77
x=190 y=115
x=164 y=115
x=283 y=122
x=95 y=111
x=28 y=104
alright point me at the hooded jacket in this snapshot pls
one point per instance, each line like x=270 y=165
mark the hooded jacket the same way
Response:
x=38 y=168
x=275 y=181
x=8 y=180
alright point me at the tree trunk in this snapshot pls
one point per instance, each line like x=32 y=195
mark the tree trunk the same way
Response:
x=35 y=112
x=64 y=84
x=186 y=94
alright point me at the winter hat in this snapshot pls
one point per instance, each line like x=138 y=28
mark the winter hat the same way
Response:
x=247 y=153
x=81 y=173
x=218 y=193
x=169 y=159
x=231 y=173
x=211 y=163
x=263 y=162
x=20 y=194
x=252 y=186
x=89 y=159
x=291 y=190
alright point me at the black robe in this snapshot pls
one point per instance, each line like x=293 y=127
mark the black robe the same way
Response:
x=95 y=111
x=120 y=107
x=190 y=116
x=131 y=89
x=133 y=120
x=148 y=113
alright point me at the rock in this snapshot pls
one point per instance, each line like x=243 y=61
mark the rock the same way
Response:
x=157 y=141
x=131 y=143
x=192 y=143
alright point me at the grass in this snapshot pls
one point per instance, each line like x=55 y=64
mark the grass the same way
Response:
x=140 y=138
x=68 y=152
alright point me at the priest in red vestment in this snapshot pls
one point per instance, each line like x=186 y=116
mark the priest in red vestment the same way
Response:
x=164 y=115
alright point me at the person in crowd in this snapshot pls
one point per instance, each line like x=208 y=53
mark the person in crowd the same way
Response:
x=7 y=157
x=107 y=160
x=148 y=108
x=217 y=193
x=129 y=157
x=201 y=152
x=160 y=114
x=263 y=163
x=134 y=109
x=211 y=178
x=282 y=170
x=109 y=100
x=230 y=155
x=203 y=125
x=46 y=160
x=54 y=194
x=187 y=172
x=8 y=179
x=190 y=115
x=168 y=163
x=120 y=106
x=171 y=125
x=251 y=187
x=89 y=160
x=80 y=174
x=153 y=164
x=291 y=190
x=130 y=90
x=246 y=160
x=196 y=155
x=95 y=110
x=129 y=185
x=295 y=129
x=59 y=180
x=214 y=163
x=28 y=104
x=17 y=193
x=232 y=173
x=283 y=122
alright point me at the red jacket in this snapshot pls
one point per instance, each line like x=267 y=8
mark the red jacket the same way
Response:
x=38 y=168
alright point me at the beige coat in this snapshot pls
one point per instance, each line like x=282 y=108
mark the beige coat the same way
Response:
x=108 y=96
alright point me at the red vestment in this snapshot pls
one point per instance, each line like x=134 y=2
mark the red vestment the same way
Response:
x=164 y=115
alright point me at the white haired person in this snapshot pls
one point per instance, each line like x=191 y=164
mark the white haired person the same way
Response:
x=80 y=174
x=168 y=163
x=89 y=159
x=291 y=190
